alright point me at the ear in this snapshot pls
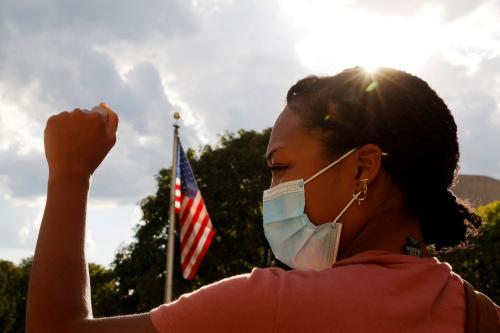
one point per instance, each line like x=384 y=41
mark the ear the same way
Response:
x=369 y=160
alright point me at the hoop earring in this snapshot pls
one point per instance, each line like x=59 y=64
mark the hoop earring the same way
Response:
x=361 y=195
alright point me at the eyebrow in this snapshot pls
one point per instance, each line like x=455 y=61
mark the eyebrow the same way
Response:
x=269 y=155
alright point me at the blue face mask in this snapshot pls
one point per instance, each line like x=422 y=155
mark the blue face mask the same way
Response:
x=294 y=240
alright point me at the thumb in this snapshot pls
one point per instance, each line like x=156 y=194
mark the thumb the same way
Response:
x=111 y=119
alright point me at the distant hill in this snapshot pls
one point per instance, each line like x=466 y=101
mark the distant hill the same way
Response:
x=479 y=190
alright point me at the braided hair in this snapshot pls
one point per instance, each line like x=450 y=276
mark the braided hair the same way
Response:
x=401 y=114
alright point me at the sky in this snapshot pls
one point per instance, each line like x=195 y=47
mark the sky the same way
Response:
x=224 y=65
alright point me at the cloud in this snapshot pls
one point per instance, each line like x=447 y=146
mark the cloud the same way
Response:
x=452 y=9
x=224 y=65
x=87 y=56
x=24 y=175
x=233 y=73
x=144 y=110
x=19 y=221
x=474 y=99
x=240 y=80
x=83 y=78
x=99 y=19
x=109 y=227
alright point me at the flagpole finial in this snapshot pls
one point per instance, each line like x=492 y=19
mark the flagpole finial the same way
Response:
x=177 y=116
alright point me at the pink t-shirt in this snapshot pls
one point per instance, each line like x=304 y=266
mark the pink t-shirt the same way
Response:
x=374 y=291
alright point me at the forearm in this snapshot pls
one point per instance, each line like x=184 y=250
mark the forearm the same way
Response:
x=59 y=290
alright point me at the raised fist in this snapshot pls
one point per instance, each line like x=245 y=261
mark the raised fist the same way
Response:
x=77 y=142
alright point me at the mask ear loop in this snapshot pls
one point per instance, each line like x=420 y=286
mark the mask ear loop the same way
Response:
x=329 y=166
x=354 y=198
x=332 y=251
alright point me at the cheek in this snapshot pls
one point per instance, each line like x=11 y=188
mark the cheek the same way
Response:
x=326 y=198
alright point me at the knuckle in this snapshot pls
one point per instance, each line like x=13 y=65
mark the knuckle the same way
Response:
x=63 y=115
x=98 y=119
x=51 y=119
x=77 y=112
x=96 y=116
x=54 y=118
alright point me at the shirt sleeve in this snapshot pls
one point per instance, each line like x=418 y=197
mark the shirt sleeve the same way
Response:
x=243 y=303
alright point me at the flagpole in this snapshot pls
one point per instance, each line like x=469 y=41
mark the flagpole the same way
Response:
x=171 y=216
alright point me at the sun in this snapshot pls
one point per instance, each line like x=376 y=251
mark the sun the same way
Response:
x=332 y=36
x=371 y=68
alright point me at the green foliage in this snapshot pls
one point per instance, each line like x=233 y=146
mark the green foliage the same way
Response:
x=480 y=263
x=231 y=177
x=13 y=291
x=14 y=282
x=104 y=290
x=9 y=280
x=139 y=267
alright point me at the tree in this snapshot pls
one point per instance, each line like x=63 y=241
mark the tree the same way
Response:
x=479 y=263
x=9 y=280
x=13 y=291
x=14 y=282
x=104 y=290
x=231 y=177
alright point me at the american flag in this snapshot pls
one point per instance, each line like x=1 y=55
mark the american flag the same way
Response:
x=195 y=225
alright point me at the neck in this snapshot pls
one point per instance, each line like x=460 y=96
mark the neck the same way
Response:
x=387 y=230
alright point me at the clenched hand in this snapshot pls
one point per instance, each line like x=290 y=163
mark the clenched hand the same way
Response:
x=77 y=142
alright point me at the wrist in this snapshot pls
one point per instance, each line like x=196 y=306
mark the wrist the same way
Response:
x=67 y=179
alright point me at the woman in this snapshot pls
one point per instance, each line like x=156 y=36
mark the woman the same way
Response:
x=361 y=169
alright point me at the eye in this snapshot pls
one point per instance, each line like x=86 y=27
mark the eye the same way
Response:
x=277 y=168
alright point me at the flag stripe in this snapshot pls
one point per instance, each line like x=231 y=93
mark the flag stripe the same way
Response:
x=177 y=195
x=184 y=202
x=197 y=245
x=189 y=216
x=184 y=216
x=194 y=269
x=190 y=210
x=188 y=227
x=192 y=242
x=187 y=239
x=195 y=261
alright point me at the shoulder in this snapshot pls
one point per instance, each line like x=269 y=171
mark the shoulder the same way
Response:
x=261 y=277
x=247 y=299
